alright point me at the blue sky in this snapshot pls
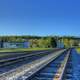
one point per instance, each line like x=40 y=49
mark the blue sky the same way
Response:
x=40 y=17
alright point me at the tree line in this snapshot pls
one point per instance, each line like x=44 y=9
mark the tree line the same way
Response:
x=42 y=41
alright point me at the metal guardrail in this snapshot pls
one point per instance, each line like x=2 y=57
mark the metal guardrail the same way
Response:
x=64 y=65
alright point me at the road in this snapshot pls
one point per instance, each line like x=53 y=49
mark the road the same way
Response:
x=28 y=62
x=63 y=64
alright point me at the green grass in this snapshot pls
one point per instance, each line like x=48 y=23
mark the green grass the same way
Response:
x=78 y=50
x=22 y=49
x=19 y=50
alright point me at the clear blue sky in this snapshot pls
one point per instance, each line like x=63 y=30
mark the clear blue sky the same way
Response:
x=40 y=17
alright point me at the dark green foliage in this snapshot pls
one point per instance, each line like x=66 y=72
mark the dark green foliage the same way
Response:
x=44 y=42
x=53 y=42
x=1 y=44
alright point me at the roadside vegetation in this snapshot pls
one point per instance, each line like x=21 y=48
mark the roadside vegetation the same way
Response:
x=37 y=43
x=19 y=50
x=78 y=49
x=22 y=49
x=41 y=41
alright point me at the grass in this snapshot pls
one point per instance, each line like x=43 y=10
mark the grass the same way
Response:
x=19 y=50
x=22 y=49
x=78 y=49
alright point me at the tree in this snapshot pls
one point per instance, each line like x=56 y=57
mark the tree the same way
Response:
x=52 y=42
